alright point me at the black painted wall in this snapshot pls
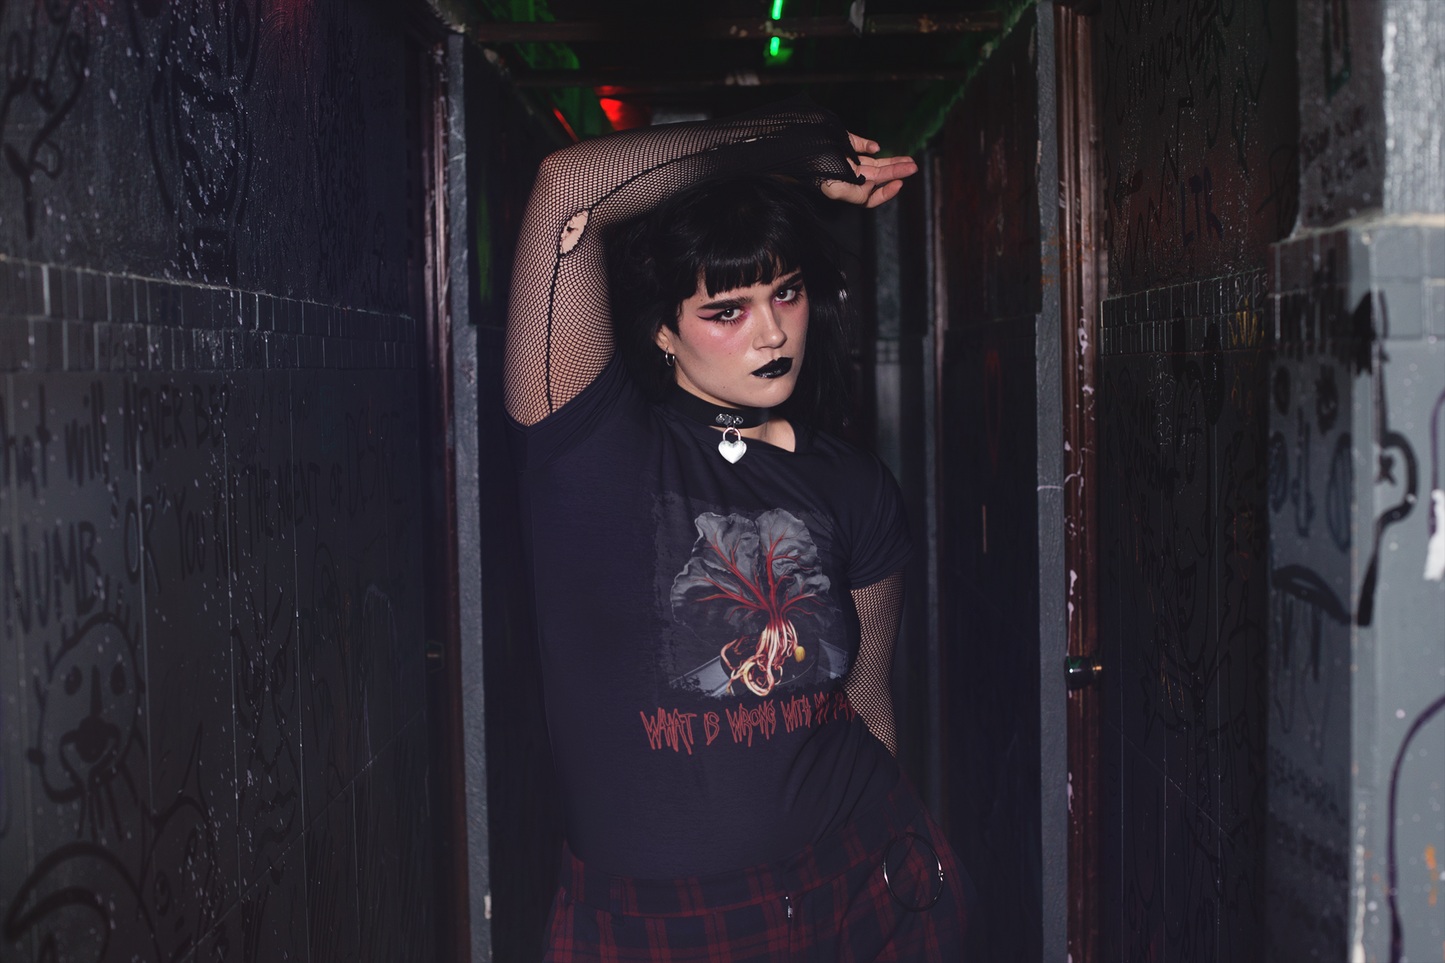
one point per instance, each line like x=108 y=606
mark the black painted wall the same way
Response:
x=212 y=725
x=1199 y=131
x=989 y=532
x=1182 y=618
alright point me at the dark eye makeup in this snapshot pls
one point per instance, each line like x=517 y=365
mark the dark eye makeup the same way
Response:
x=731 y=310
x=722 y=316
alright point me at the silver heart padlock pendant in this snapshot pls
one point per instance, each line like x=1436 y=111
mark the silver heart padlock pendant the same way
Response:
x=732 y=447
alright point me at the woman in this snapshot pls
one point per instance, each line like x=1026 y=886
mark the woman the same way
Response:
x=718 y=583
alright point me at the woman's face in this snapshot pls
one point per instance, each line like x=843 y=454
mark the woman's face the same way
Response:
x=741 y=348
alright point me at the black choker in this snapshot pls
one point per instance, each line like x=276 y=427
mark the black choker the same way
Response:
x=690 y=406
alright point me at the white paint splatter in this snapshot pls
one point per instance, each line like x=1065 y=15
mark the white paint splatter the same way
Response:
x=1435 y=552
x=1357 y=951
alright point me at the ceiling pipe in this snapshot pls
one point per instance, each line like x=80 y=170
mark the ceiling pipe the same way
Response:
x=611 y=31
x=632 y=81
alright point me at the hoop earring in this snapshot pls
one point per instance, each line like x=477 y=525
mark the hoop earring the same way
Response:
x=669 y=359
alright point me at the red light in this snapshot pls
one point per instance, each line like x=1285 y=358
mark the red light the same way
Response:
x=624 y=114
x=561 y=119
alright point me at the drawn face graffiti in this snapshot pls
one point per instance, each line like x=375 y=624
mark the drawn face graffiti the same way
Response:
x=84 y=901
x=89 y=695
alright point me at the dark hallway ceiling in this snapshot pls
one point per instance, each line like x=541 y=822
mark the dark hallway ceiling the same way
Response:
x=642 y=64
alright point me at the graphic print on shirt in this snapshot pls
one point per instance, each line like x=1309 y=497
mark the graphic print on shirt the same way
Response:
x=755 y=589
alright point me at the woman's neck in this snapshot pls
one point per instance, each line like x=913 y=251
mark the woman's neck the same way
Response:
x=777 y=432
x=756 y=423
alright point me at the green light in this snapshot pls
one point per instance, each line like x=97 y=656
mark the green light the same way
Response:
x=777 y=13
x=774 y=45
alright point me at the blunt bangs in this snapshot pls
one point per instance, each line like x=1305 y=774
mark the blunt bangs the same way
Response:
x=747 y=241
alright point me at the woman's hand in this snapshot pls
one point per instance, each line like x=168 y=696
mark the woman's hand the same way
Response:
x=883 y=176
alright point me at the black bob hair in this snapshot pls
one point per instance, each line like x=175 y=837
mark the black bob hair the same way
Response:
x=732 y=231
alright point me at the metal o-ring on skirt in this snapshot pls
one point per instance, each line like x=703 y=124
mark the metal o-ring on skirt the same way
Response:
x=888 y=881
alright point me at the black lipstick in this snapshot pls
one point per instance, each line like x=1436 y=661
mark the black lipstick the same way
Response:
x=775 y=368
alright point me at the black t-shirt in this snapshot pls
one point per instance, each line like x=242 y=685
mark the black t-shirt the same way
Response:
x=695 y=625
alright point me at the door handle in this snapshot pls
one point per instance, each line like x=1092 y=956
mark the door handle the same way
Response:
x=1081 y=671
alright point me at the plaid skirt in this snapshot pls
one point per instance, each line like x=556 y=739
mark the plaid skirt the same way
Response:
x=885 y=887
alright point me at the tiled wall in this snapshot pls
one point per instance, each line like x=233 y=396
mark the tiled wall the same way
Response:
x=1356 y=660
x=1219 y=314
x=212 y=739
x=72 y=319
x=1182 y=506
x=1199 y=155
x=212 y=731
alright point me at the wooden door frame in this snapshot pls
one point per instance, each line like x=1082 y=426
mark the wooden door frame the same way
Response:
x=1081 y=277
x=446 y=351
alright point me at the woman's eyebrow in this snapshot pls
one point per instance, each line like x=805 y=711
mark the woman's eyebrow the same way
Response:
x=792 y=279
x=725 y=304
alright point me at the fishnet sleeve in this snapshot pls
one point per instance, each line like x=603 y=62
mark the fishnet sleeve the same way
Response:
x=559 y=331
x=868 y=682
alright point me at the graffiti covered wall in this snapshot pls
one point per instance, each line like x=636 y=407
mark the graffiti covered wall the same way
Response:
x=1182 y=595
x=1356 y=659
x=1200 y=175
x=212 y=737
x=1200 y=121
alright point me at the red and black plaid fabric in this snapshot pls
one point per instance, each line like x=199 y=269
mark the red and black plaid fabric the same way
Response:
x=828 y=901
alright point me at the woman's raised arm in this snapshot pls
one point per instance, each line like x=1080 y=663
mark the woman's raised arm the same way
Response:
x=559 y=331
